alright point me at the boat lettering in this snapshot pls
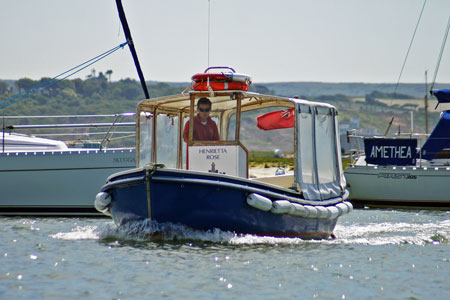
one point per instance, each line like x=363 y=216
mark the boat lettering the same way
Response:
x=391 y=152
x=212 y=150
x=395 y=152
x=397 y=176
x=212 y=153
x=118 y=160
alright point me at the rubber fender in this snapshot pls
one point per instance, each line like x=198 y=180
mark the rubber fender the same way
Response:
x=333 y=212
x=322 y=211
x=343 y=208
x=298 y=210
x=349 y=205
x=259 y=202
x=102 y=201
x=281 y=207
x=312 y=211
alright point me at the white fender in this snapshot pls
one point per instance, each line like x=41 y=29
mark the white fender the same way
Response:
x=343 y=208
x=349 y=205
x=260 y=202
x=322 y=211
x=281 y=207
x=312 y=211
x=102 y=200
x=333 y=212
x=298 y=210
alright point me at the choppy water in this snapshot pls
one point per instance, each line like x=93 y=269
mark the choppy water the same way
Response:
x=378 y=254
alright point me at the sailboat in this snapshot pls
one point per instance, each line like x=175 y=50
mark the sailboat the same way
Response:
x=401 y=172
x=392 y=172
x=41 y=173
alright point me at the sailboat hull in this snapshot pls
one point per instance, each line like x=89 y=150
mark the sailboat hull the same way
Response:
x=400 y=187
x=57 y=183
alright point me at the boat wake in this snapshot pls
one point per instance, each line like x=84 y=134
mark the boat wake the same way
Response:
x=386 y=233
x=78 y=233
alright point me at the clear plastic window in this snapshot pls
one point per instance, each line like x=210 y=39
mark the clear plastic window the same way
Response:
x=146 y=129
x=306 y=144
x=232 y=128
x=167 y=140
x=326 y=150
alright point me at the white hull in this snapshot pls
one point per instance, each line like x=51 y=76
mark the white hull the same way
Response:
x=62 y=183
x=408 y=187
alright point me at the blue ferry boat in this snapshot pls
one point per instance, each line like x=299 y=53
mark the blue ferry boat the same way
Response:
x=193 y=169
x=205 y=184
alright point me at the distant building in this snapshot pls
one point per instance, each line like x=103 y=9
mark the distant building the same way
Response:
x=353 y=143
x=354 y=123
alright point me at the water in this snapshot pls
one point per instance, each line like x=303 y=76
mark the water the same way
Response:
x=378 y=254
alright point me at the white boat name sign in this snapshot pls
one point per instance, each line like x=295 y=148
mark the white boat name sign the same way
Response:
x=391 y=152
x=382 y=151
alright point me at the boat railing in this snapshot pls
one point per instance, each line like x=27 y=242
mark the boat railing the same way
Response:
x=77 y=131
x=356 y=141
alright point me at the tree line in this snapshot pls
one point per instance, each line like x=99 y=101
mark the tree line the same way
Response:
x=96 y=94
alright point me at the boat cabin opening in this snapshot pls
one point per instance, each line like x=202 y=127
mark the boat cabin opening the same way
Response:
x=187 y=132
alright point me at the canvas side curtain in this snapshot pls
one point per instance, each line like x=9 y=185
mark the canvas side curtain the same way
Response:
x=319 y=167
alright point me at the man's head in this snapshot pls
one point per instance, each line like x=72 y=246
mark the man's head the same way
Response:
x=203 y=107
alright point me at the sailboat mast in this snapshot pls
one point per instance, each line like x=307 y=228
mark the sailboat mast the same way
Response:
x=127 y=32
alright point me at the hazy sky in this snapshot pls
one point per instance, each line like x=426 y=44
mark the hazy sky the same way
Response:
x=283 y=40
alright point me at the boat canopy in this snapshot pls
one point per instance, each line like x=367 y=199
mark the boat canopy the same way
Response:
x=439 y=139
x=318 y=167
x=443 y=95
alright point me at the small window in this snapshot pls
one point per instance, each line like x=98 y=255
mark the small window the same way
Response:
x=146 y=131
x=167 y=140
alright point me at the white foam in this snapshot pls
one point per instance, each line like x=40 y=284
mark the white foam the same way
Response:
x=393 y=233
x=79 y=233
x=371 y=234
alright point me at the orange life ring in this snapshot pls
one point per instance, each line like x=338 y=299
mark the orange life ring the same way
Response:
x=220 y=81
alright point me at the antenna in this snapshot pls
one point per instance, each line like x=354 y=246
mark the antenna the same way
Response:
x=209 y=26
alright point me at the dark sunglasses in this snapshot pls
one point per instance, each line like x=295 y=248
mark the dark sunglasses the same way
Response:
x=204 y=109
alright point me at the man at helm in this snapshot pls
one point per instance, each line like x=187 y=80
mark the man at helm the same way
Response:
x=205 y=129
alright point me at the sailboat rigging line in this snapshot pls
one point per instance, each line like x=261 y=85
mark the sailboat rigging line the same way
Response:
x=440 y=56
x=126 y=30
x=410 y=44
x=53 y=81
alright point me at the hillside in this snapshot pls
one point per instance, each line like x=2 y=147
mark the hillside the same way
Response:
x=373 y=105
x=351 y=89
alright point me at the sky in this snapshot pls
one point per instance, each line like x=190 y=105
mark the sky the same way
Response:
x=273 y=41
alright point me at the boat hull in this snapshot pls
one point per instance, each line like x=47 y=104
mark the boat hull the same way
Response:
x=399 y=187
x=205 y=202
x=57 y=183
